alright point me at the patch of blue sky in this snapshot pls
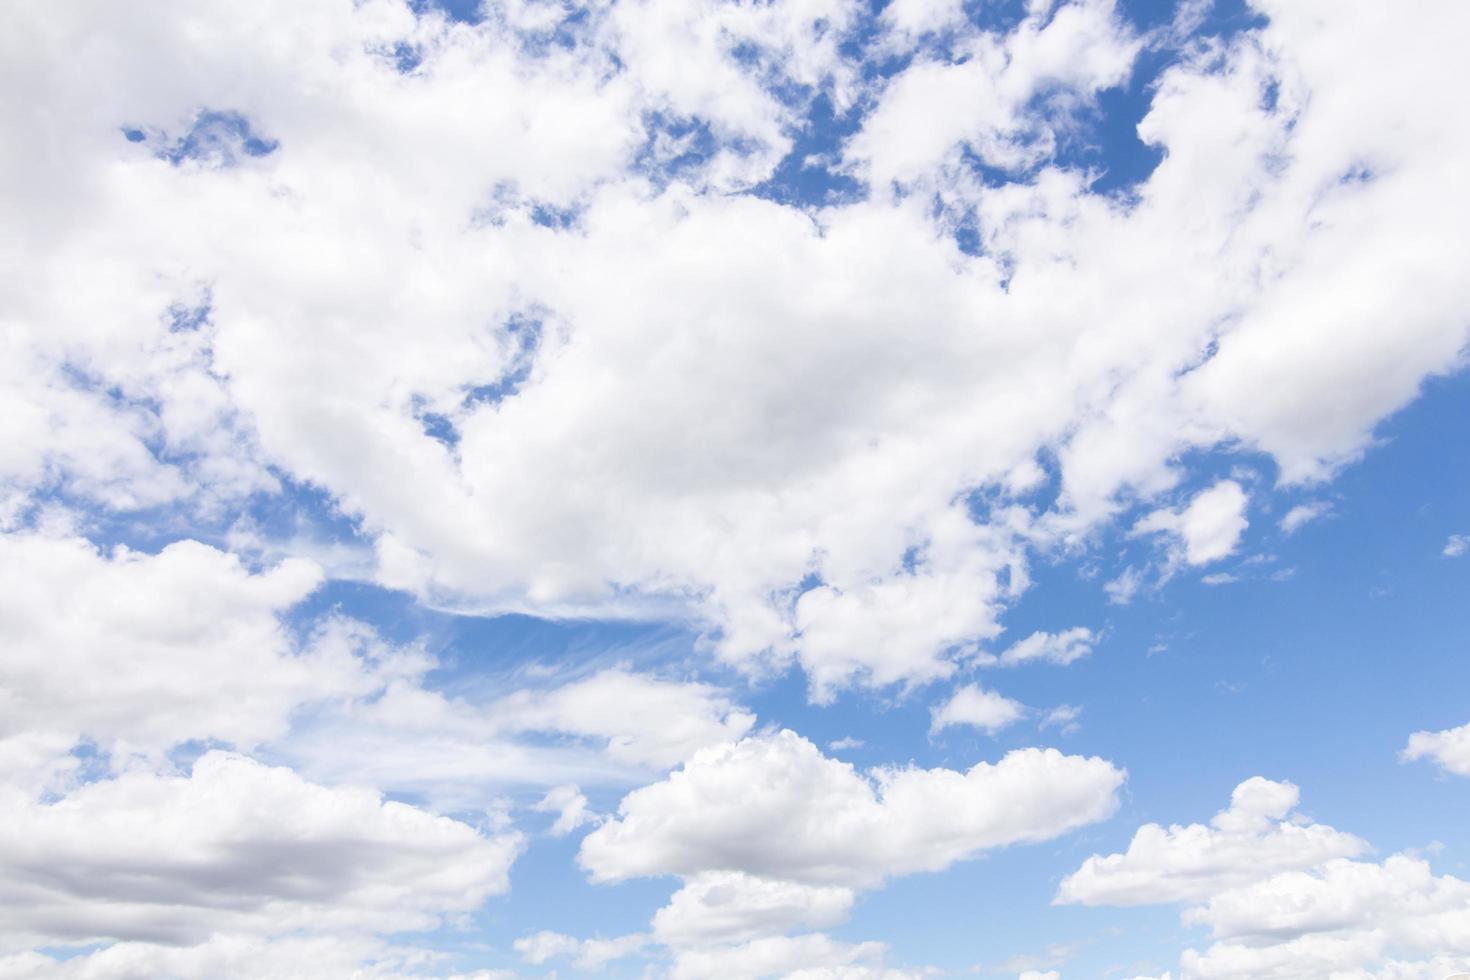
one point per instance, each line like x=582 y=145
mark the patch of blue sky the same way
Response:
x=808 y=175
x=524 y=333
x=462 y=11
x=223 y=138
x=674 y=147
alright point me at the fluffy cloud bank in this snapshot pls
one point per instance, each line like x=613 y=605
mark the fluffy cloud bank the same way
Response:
x=557 y=312
x=524 y=308
x=234 y=846
x=1449 y=748
x=1256 y=836
x=774 y=806
x=1284 y=898
x=769 y=836
x=137 y=653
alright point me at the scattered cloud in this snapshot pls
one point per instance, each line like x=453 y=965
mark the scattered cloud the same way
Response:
x=1450 y=749
x=1209 y=528
x=976 y=707
x=1061 y=648
x=1304 y=514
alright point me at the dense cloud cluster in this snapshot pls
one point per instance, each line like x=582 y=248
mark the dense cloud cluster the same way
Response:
x=1283 y=897
x=577 y=311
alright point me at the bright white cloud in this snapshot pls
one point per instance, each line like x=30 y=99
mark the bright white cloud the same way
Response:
x=235 y=846
x=974 y=706
x=232 y=955
x=1256 y=837
x=813 y=956
x=1449 y=748
x=586 y=954
x=817 y=349
x=775 y=807
x=982 y=99
x=1209 y=528
x=1283 y=898
x=1456 y=546
x=732 y=907
x=140 y=652
x=514 y=270
x=570 y=807
x=1346 y=918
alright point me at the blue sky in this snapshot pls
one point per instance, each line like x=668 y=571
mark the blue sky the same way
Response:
x=805 y=488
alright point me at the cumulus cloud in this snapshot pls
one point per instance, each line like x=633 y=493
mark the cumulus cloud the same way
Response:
x=1255 y=837
x=1286 y=898
x=984 y=98
x=139 y=652
x=974 y=706
x=1456 y=546
x=570 y=807
x=443 y=184
x=228 y=955
x=774 y=806
x=585 y=954
x=773 y=841
x=1395 y=918
x=1209 y=528
x=814 y=956
x=732 y=907
x=1449 y=748
x=514 y=265
x=234 y=846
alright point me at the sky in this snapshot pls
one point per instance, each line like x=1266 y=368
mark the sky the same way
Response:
x=833 y=489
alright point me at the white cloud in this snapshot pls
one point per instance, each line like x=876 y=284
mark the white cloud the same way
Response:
x=1256 y=837
x=1284 y=898
x=1449 y=748
x=1456 y=546
x=612 y=727
x=1303 y=514
x=378 y=296
x=1344 y=918
x=1063 y=716
x=813 y=956
x=1062 y=648
x=982 y=99
x=585 y=954
x=539 y=947
x=973 y=705
x=1209 y=528
x=733 y=311
x=233 y=955
x=570 y=807
x=730 y=906
x=772 y=840
x=235 y=846
x=774 y=807
x=140 y=652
